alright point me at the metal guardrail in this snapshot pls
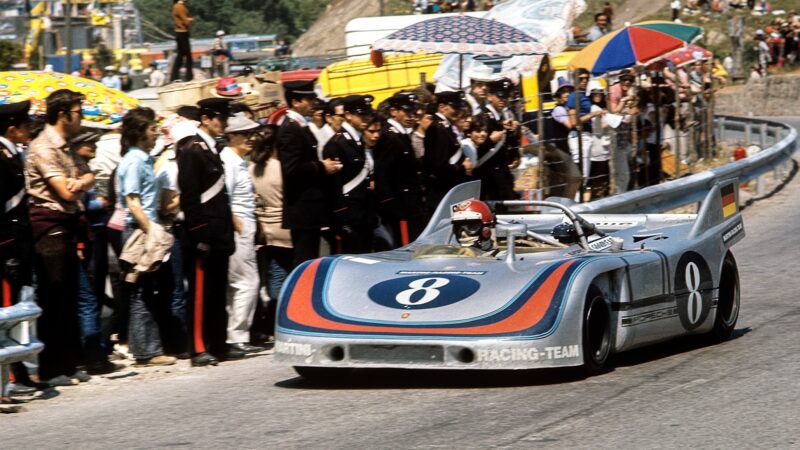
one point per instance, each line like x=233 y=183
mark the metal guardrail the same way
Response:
x=692 y=189
x=17 y=334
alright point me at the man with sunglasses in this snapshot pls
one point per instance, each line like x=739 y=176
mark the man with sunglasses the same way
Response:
x=398 y=185
x=243 y=281
x=579 y=106
x=57 y=180
x=353 y=214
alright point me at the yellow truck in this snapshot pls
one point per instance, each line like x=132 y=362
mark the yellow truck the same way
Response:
x=402 y=71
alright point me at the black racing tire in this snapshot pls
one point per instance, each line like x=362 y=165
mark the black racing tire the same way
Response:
x=324 y=374
x=596 y=332
x=728 y=303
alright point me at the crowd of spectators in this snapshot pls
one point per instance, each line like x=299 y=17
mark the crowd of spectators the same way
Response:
x=448 y=6
x=777 y=45
x=170 y=238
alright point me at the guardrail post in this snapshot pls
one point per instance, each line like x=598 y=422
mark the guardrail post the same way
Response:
x=4 y=377
x=747 y=139
x=720 y=128
x=763 y=135
x=761 y=185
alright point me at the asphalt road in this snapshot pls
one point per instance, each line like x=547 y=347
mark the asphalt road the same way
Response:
x=743 y=393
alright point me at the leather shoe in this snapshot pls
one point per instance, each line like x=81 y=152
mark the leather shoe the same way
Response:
x=232 y=354
x=62 y=380
x=246 y=348
x=204 y=359
x=101 y=367
x=81 y=376
x=21 y=389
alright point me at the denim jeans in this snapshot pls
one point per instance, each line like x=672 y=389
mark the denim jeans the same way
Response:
x=147 y=312
x=92 y=341
x=274 y=264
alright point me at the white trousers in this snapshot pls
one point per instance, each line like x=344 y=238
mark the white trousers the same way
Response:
x=242 y=285
x=586 y=147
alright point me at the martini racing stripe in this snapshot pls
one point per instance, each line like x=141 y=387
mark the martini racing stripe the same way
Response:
x=533 y=312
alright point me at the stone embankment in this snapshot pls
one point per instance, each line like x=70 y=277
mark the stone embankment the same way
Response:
x=772 y=96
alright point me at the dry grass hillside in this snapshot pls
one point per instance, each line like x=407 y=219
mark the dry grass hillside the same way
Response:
x=327 y=33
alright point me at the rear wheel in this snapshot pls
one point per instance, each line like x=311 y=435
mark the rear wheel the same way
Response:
x=596 y=332
x=323 y=374
x=728 y=304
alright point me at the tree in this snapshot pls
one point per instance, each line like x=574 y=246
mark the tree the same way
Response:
x=10 y=54
x=289 y=18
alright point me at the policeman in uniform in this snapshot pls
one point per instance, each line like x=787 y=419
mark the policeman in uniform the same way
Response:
x=16 y=246
x=479 y=76
x=307 y=181
x=398 y=186
x=353 y=214
x=209 y=231
x=501 y=151
x=444 y=162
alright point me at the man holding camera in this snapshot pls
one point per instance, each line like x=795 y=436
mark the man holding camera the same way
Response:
x=500 y=153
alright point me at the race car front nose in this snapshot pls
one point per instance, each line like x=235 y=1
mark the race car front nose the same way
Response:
x=453 y=355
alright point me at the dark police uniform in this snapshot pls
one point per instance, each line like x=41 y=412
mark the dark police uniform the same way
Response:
x=353 y=211
x=443 y=156
x=497 y=182
x=16 y=240
x=209 y=232
x=307 y=196
x=16 y=245
x=398 y=185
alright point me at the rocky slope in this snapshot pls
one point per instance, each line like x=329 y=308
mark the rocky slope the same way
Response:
x=327 y=33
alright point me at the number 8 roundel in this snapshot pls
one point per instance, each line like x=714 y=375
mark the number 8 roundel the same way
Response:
x=693 y=290
x=422 y=292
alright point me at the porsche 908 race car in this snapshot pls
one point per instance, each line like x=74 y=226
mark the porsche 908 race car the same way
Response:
x=611 y=282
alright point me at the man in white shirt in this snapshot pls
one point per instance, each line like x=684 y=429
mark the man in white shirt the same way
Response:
x=600 y=27
x=156 y=77
x=111 y=79
x=243 y=281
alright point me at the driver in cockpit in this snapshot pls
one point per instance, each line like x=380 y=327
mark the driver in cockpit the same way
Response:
x=473 y=226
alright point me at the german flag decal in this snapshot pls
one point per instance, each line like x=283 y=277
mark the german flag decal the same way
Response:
x=728 y=200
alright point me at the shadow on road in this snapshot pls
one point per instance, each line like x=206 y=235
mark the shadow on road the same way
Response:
x=435 y=379
x=666 y=349
x=364 y=379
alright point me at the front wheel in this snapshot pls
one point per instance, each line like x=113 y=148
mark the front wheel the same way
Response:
x=596 y=332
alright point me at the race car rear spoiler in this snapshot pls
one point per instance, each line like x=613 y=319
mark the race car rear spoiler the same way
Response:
x=720 y=209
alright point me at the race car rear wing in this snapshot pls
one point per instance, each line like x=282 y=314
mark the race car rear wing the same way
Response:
x=720 y=209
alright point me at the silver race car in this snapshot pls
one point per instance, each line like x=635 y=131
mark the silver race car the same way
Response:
x=556 y=289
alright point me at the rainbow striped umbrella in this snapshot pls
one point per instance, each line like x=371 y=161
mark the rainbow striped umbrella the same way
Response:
x=634 y=45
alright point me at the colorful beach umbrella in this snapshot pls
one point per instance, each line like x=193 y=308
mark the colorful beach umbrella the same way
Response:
x=634 y=45
x=682 y=31
x=102 y=105
x=688 y=55
x=461 y=34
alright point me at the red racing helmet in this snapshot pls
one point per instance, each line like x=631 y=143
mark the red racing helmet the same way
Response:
x=472 y=224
